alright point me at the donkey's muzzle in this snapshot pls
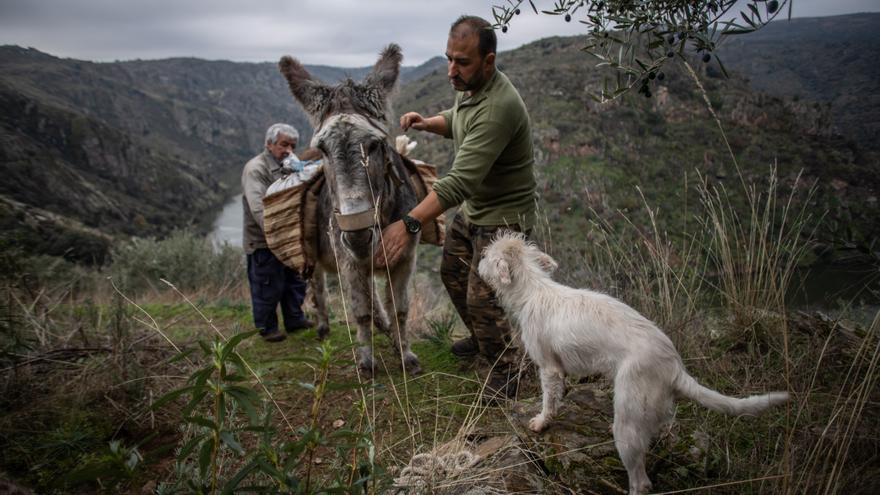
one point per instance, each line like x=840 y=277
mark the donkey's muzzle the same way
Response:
x=359 y=243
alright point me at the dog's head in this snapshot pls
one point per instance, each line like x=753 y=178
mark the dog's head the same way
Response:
x=509 y=256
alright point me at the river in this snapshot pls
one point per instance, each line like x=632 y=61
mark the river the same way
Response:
x=227 y=227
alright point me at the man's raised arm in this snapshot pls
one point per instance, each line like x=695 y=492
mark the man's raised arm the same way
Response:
x=435 y=124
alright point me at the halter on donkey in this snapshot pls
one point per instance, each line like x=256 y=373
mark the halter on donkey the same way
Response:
x=367 y=187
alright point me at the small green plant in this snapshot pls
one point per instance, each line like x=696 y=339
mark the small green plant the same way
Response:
x=219 y=382
x=440 y=329
x=115 y=465
x=220 y=391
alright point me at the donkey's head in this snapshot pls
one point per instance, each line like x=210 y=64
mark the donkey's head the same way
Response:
x=351 y=122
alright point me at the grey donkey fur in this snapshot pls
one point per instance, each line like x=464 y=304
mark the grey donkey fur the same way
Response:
x=362 y=171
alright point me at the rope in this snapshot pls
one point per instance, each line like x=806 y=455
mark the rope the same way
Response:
x=425 y=468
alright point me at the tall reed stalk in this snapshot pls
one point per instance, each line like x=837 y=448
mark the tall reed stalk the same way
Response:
x=658 y=274
x=754 y=254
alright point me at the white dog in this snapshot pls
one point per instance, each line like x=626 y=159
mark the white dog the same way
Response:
x=577 y=332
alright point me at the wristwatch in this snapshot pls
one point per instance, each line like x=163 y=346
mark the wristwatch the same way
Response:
x=413 y=226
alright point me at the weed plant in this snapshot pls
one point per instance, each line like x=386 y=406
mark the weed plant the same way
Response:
x=190 y=261
x=218 y=393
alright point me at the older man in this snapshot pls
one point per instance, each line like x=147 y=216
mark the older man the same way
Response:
x=492 y=178
x=271 y=282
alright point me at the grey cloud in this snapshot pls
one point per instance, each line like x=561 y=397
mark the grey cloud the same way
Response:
x=331 y=32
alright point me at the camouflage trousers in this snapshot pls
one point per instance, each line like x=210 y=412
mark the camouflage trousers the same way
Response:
x=472 y=297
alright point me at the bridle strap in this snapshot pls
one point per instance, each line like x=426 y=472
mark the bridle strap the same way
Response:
x=356 y=221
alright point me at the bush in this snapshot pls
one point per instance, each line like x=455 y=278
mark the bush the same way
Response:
x=186 y=260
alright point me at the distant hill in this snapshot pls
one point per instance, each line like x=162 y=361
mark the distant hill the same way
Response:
x=94 y=151
x=825 y=59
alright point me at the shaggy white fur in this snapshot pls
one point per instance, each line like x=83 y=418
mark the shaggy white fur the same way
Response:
x=579 y=332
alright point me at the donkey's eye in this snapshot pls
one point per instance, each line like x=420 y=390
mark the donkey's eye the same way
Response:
x=372 y=147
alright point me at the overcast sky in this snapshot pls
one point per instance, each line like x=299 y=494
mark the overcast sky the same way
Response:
x=344 y=33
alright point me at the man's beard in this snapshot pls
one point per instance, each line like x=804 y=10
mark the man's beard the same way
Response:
x=475 y=82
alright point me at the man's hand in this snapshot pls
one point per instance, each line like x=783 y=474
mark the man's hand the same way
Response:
x=414 y=120
x=396 y=240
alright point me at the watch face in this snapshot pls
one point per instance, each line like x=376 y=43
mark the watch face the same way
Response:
x=413 y=226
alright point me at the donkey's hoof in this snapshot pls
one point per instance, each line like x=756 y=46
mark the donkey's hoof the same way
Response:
x=323 y=331
x=367 y=368
x=413 y=370
x=411 y=363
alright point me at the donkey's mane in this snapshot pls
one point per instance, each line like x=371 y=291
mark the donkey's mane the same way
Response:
x=353 y=97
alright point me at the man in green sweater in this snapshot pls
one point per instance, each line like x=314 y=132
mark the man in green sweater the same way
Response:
x=492 y=180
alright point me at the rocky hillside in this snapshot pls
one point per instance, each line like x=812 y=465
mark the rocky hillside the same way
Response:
x=91 y=151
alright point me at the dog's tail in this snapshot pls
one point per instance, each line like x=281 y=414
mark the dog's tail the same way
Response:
x=688 y=387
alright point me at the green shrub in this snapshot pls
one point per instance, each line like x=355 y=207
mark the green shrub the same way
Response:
x=185 y=259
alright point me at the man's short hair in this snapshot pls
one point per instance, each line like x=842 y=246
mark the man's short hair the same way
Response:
x=279 y=129
x=488 y=41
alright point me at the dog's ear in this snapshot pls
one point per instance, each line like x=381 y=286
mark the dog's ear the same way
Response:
x=548 y=264
x=511 y=259
x=503 y=272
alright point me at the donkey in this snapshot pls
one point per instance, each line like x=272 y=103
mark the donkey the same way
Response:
x=366 y=188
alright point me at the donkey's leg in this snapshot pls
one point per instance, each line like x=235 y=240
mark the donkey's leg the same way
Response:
x=319 y=293
x=397 y=301
x=380 y=315
x=360 y=292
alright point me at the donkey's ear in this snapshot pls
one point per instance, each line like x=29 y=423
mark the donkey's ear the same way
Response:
x=387 y=69
x=305 y=89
